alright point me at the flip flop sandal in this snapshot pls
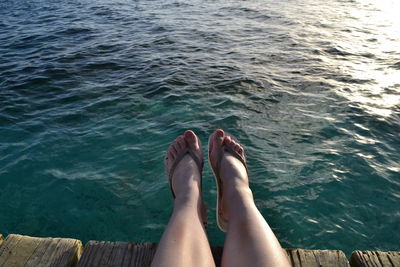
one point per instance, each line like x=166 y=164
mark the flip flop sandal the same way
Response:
x=199 y=163
x=223 y=223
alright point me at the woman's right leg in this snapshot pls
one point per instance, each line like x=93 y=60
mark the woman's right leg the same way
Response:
x=249 y=240
x=184 y=242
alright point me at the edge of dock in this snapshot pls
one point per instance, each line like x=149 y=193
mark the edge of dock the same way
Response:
x=21 y=250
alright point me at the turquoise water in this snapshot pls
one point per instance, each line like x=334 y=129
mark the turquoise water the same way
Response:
x=93 y=92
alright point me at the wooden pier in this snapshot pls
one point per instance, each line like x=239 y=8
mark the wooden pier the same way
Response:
x=19 y=250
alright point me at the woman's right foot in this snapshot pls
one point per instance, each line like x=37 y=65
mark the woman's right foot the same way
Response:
x=232 y=172
x=186 y=178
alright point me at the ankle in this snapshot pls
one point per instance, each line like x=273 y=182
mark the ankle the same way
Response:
x=186 y=184
x=237 y=200
x=239 y=194
x=188 y=194
x=188 y=201
x=237 y=188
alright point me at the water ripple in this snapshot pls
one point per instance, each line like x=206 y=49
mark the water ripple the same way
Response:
x=92 y=93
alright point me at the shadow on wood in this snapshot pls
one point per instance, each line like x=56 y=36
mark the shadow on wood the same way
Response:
x=123 y=254
x=117 y=254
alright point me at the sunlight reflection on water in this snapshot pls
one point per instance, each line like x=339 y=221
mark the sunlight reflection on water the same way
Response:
x=379 y=94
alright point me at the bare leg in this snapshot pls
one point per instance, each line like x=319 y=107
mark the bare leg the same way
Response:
x=249 y=240
x=184 y=242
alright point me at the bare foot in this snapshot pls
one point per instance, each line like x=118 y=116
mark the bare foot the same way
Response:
x=186 y=179
x=233 y=173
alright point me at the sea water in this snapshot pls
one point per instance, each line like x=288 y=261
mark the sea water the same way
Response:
x=93 y=92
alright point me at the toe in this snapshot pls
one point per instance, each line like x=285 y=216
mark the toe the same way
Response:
x=174 y=148
x=237 y=147
x=228 y=141
x=191 y=140
x=219 y=133
x=181 y=142
x=170 y=155
x=173 y=152
x=218 y=138
x=216 y=141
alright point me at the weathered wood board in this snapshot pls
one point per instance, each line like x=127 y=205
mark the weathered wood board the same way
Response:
x=97 y=253
x=317 y=258
x=100 y=253
x=141 y=254
x=19 y=250
x=375 y=259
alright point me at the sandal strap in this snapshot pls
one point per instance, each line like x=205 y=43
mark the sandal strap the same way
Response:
x=233 y=153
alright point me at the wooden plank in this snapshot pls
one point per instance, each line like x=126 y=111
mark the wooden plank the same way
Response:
x=19 y=250
x=394 y=257
x=293 y=257
x=141 y=254
x=317 y=258
x=118 y=253
x=7 y=248
x=121 y=254
x=61 y=251
x=375 y=258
